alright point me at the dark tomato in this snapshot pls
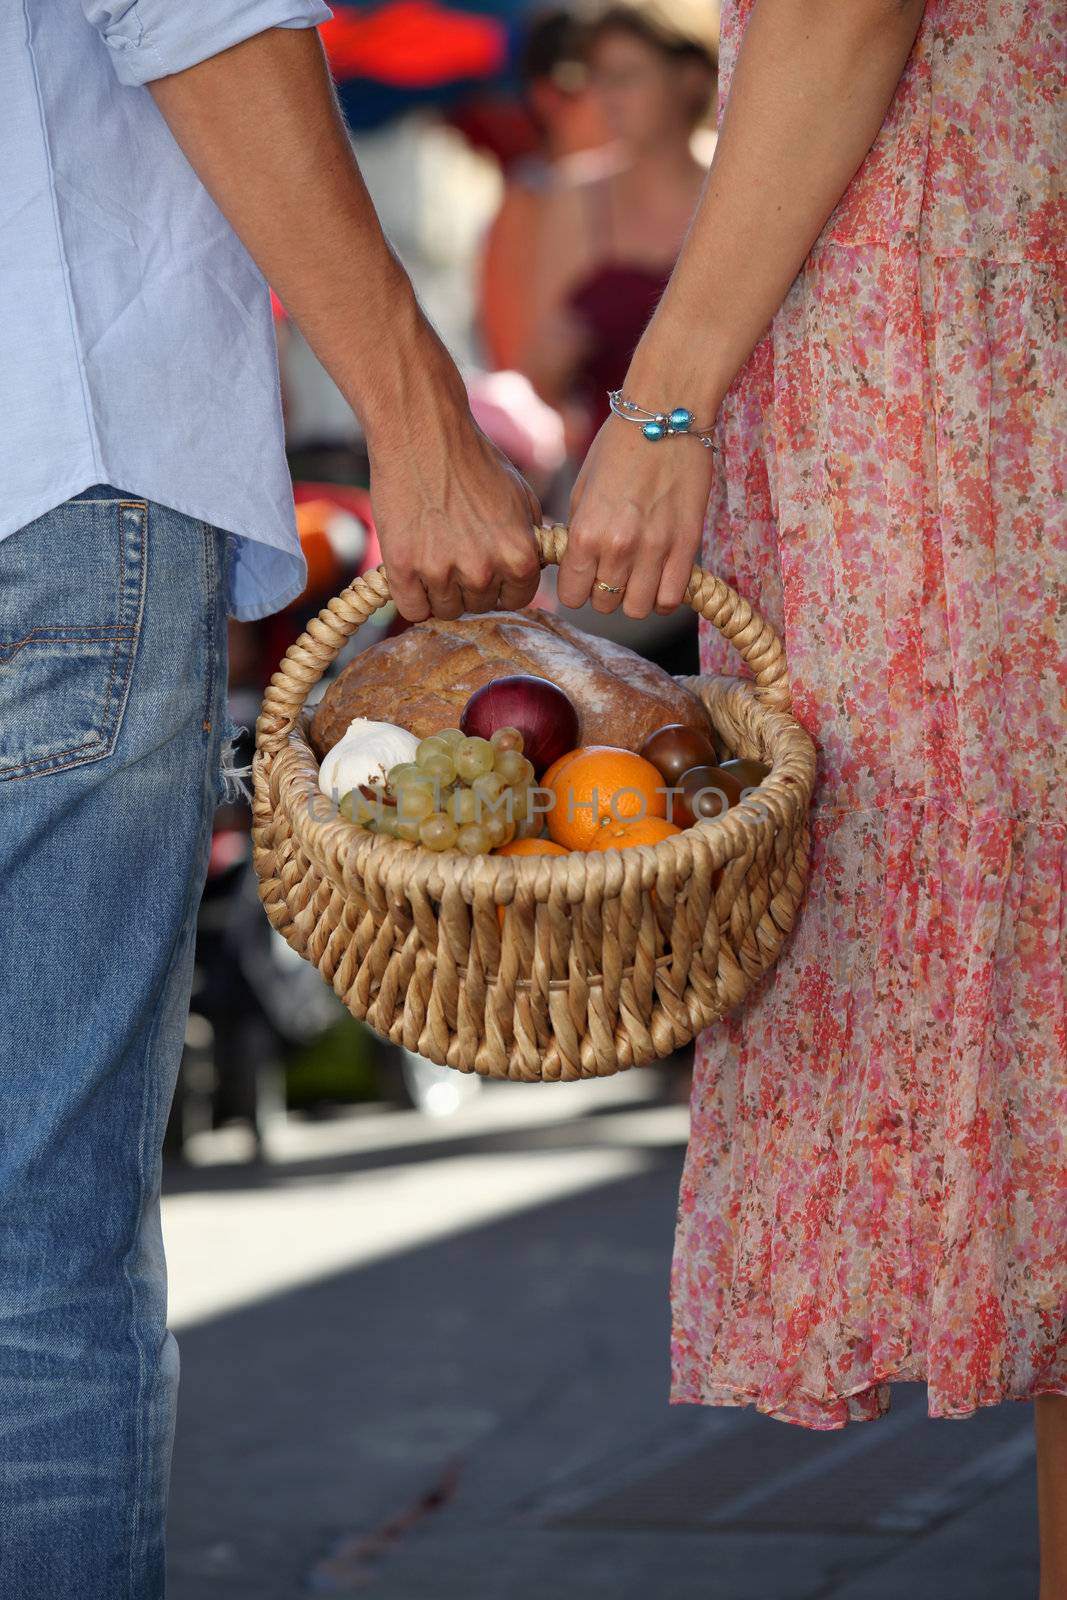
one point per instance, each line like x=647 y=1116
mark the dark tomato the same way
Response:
x=706 y=792
x=675 y=748
x=748 y=772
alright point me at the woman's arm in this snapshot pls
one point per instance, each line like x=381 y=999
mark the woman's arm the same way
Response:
x=260 y=125
x=812 y=85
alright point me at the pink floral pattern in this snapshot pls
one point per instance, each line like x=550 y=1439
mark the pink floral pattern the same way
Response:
x=876 y=1183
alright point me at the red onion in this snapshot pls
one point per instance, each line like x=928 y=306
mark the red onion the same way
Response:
x=540 y=710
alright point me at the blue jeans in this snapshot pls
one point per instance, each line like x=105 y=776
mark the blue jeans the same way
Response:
x=112 y=717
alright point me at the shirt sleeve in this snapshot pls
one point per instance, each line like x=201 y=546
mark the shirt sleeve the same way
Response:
x=150 y=39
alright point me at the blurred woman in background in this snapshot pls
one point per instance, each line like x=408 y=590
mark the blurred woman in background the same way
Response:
x=573 y=137
x=607 y=244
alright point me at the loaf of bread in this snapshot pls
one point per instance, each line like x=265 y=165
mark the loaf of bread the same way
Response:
x=423 y=678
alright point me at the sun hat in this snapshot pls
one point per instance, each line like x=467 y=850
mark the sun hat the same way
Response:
x=678 y=24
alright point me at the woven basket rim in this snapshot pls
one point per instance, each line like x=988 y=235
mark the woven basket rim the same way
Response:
x=347 y=853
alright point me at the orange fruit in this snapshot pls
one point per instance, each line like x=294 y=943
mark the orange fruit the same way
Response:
x=601 y=784
x=613 y=835
x=550 y=774
x=530 y=847
x=526 y=847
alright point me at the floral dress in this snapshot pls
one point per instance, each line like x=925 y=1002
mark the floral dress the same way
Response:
x=876 y=1183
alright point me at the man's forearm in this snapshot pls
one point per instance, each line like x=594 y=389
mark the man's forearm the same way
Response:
x=812 y=85
x=260 y=126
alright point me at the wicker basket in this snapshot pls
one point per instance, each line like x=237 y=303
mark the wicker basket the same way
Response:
x=587 y=971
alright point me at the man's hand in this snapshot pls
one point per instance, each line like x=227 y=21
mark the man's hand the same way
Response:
x=637 y=513
x=455 y=522
x=260 y=125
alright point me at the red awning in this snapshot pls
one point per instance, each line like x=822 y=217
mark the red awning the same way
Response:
x=413 y=44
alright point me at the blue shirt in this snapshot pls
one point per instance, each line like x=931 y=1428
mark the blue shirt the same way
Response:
x=136 y=339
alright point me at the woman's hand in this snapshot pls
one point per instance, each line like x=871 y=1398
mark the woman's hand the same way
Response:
x=637 y=514
x=455 y=522
x=812 y=83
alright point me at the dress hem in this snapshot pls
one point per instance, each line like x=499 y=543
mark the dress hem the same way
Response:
x=713 y=1393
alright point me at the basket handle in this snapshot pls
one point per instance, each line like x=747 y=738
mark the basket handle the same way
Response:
x=307 y=658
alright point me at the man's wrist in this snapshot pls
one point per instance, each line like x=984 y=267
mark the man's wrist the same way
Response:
x=429 y=401
x=409 y=382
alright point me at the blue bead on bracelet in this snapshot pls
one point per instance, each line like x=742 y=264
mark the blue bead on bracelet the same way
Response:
x=656 y=425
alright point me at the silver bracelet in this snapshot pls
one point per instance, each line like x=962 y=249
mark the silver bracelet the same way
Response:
x=657 y=425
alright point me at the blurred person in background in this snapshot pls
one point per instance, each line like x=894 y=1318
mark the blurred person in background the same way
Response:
x=607 y=242
x=572 y=132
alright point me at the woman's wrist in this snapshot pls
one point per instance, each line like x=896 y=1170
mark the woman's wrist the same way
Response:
x=677 y=363
x=658 y=382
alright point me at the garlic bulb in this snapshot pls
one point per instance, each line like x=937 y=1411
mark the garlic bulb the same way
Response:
x=364 y=755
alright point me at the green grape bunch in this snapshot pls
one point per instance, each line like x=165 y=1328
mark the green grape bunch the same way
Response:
x=460 y=793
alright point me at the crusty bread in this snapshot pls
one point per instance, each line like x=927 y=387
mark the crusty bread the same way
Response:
x=423 y=678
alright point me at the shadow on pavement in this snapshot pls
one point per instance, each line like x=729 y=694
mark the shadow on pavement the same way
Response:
x=486 y=1417
x=562 y=1133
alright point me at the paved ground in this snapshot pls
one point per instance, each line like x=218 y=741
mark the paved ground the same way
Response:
x=428 y=1361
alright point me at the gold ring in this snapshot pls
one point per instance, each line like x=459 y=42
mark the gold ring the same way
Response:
x=610 y=588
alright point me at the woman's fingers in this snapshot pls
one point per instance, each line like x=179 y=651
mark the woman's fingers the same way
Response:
x=599 y=564
x=615 y=570
x=676 y=573
x=643 y=587
x=600 y=550
x=643 y=573
x=577 y=571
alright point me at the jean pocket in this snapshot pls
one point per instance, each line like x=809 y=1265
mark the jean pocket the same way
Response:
x=72 y=588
